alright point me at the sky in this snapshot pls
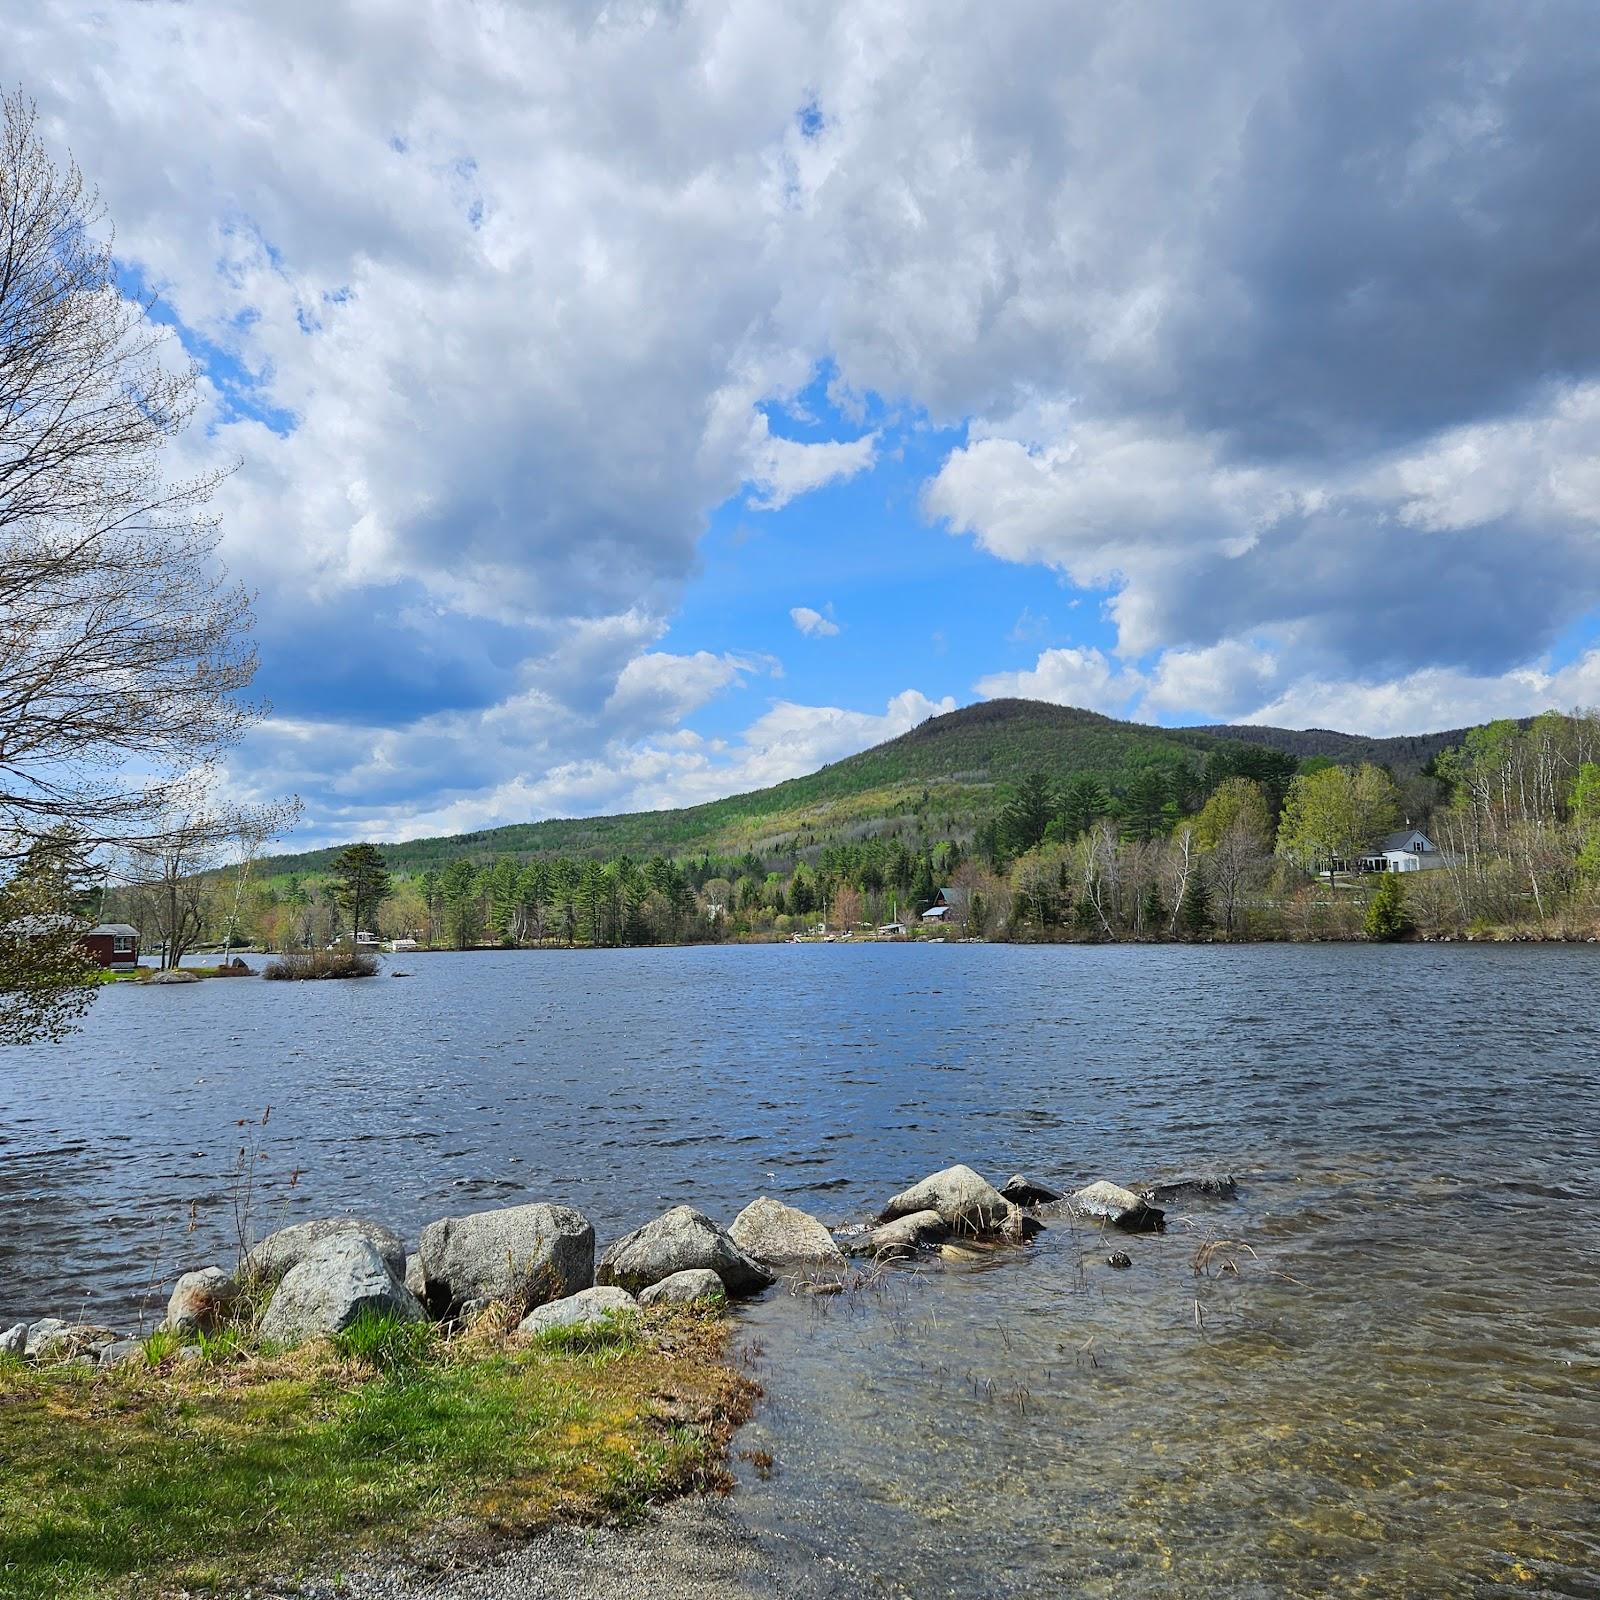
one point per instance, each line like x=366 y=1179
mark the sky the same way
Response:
x=633 y=404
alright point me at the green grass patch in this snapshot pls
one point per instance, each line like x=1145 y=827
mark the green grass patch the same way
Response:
x=213 y=1475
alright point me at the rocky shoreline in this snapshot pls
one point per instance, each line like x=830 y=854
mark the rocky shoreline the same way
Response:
x=536 y=1263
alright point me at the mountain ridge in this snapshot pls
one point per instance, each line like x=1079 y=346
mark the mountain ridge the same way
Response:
x=943 y=774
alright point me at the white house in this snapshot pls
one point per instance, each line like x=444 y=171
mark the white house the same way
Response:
x=1410 y=850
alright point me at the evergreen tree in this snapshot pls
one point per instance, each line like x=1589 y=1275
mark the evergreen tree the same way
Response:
x=1148 y=807
x=1083 y=802
x=1026 y=815
x=1194 y=911
x=361 y=883
x=1386 y=917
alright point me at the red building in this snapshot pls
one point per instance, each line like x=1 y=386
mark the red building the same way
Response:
x=112 y=944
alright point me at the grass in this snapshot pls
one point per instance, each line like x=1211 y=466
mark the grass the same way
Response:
x=214 y=1475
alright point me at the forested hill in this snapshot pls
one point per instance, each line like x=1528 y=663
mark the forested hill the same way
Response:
x=942 y=776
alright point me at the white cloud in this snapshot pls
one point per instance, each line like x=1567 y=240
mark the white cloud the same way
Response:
x=1069 y=677
x=813 y=624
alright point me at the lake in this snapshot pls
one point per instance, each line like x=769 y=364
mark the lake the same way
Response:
x=1376 y=1371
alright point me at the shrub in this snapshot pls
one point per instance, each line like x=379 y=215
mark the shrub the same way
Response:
x=298 y=964
x=1386 y=917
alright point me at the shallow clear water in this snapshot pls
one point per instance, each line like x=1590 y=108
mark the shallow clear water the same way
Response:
x=1385 y=1383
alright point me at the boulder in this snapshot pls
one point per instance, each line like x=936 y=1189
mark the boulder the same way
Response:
x=1211 y=1185
x=906 y=1235
x=14 y=1341
x=1019 y=1227
x=1122 y=1208
x=201 y=1301
x=114 y=1355
x=967 y=1202
x=780 y=1236
x=680 y=1239
x=341 y=1280
x=173 y=975
x=580 y=1310
x=696 y=1286
x=284 y=1250
x=416 y=1278
x=1021 y=1191
x=524 y=1255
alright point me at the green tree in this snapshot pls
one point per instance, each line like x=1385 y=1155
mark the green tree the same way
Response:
x=1330 y=816
x=1026 y=814
x=1084 y=801
x=462 y=903
x=1149 y=809
x=361 y=883
x=1386 y=909
x=1194 y=911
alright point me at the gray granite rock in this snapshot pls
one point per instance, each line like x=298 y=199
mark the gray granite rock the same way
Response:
x=200 y=1301
x=343 y=1279
x=966 y=1201
x=579 y=1310
x=279 y=1252
x=677 y=1241
x=783 y=1237
x=1122 y=1208
x=523 y=1255
x=696 y=1286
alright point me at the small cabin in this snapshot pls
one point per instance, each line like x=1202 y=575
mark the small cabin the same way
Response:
x=115 y=945
x=891 y=930
x=936 y=914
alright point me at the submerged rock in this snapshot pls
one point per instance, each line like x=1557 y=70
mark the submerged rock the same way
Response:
x=905 y=1236
x=1021 y=1191
x=524 y=1255
x=696 y=1286
x=586 y=1307
x=678 y=1241
x=201 y=1301
x=1122 y=1208
x=284 y=1250
x=781 y=1236
x=967 y=1202
x=343 y=1279
x=1212 y=1185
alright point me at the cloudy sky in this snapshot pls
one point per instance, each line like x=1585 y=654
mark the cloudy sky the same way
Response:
x=637 y=403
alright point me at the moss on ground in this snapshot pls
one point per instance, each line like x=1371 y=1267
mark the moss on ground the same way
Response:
x=213 y=1474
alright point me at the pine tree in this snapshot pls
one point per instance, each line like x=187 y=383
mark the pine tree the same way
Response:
x=1195 y=909
x=361 y=883
x=1386 y=917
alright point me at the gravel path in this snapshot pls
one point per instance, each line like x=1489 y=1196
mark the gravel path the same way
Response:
x=690 y=1550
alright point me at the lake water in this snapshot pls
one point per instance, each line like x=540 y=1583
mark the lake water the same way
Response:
x=1383 y=1378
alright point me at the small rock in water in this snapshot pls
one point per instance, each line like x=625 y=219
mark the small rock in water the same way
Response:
x=1214 y=1185
x=1122 y=1208
x=1119 y=1258
x=966 y=1201
x=781 y=1236
x=696 y=1285
x=1021 y=1191
x=906 y=1235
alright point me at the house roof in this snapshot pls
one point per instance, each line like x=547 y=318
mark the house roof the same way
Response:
x=1402 y=840
x=118 y=930
x=936 y=913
